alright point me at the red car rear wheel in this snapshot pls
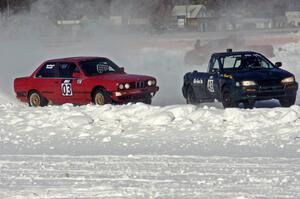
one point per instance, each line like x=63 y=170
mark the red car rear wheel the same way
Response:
x=35 y=99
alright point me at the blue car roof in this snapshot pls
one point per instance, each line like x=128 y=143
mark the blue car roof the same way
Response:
x=222 y=54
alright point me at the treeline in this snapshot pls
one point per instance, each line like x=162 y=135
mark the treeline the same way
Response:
x=103 y=7
x=14 y=6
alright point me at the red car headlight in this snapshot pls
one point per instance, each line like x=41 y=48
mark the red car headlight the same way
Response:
x=127 y=86
x=121 y=86
x=151 y=82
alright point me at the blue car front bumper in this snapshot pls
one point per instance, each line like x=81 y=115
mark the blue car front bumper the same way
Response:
x=265 y=92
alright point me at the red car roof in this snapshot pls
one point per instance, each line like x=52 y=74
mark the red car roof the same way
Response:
x=73 y=59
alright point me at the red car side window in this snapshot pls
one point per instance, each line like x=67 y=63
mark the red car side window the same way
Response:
x=49 y=70
x=66 y=70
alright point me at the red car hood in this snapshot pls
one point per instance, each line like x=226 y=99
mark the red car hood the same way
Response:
x=122 y=77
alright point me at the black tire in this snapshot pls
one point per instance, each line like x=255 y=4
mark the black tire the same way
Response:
x=35 y=99
x=249 y=104
x=287 y=101
x=190 y=96
x=101 y=97
x=148 y=101
x=184 y=90
x=227 y=99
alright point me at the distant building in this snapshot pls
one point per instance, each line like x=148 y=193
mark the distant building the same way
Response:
x=192 y=17
x=128 y=21
x=248 y=24
x=279 y=22
x=256 y=23
x=116 y=20
x=293 y=18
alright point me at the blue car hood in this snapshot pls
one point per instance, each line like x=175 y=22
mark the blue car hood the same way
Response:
x=259 y=75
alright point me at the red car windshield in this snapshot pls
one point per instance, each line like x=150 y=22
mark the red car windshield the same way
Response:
x=99 y=66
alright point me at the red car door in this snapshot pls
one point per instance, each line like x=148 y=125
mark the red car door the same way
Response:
x=46 y=81
x=71 y=89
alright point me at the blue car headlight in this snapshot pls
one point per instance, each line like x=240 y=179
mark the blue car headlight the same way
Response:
x=288 y=80
x=248 y=83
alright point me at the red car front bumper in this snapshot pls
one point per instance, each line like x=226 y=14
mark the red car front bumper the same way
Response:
x=134 y=95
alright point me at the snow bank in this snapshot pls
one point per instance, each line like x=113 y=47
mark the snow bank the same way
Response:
x=144 y=129
x=5 y=99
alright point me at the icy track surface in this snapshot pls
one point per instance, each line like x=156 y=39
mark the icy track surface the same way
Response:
x=148 y=177
x=142 y=151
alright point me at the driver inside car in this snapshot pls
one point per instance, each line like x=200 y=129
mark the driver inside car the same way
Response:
x=250 y=62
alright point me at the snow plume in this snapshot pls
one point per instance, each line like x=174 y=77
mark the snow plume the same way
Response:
x=31 y=37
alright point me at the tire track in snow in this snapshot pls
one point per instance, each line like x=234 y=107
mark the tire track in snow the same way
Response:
x=148 y=177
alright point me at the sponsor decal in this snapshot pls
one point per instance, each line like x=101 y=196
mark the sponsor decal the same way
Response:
x=228 y=76
x=66 y=88
x=101 y=68
x=198 y=81
x=50 y=66
x=210 y=85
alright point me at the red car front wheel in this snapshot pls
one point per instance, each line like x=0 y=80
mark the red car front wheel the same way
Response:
x=101 y=97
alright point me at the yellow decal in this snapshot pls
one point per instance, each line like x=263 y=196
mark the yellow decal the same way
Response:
x=228 y=76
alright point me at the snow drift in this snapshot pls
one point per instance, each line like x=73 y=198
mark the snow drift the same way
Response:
x=144 y=129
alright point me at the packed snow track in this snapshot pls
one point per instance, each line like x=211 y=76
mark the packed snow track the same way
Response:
x=182 y=177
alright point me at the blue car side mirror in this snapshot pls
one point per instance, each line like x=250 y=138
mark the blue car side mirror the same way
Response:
x=278 y=64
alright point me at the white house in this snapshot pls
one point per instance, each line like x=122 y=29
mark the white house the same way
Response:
x=191 y=15
x=293 y=18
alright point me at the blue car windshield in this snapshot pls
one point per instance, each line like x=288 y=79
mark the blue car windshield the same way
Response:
x=245 y=62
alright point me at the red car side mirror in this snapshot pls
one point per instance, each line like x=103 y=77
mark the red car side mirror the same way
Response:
x=122 y=69
x=76 y=75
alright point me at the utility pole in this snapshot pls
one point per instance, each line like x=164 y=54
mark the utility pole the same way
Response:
x=8 y=8
x=187 y=2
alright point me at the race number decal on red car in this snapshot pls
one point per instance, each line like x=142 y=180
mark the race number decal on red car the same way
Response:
x=66 y=88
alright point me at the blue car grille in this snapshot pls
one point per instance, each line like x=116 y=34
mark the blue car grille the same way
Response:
x=271 y=88
x=276 y=90
x=270 y=83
